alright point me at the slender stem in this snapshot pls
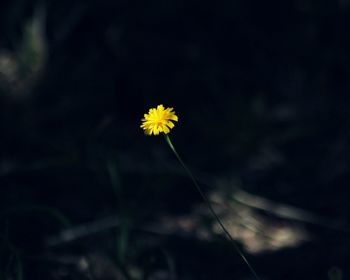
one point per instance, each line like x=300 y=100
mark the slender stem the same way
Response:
x=206 y=200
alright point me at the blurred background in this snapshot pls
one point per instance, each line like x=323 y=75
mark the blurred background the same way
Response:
x=262 y=94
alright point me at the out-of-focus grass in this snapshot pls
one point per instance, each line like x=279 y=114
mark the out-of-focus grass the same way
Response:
x=21 y=69
x=10 y=260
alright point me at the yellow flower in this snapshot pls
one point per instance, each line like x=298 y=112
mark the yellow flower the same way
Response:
x=158 y=120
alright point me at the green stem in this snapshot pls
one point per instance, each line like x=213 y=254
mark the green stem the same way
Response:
x=206 y=200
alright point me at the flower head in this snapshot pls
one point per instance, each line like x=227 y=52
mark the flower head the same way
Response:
x=158 y=120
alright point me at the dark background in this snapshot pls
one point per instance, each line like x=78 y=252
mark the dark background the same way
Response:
x=262 y=94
